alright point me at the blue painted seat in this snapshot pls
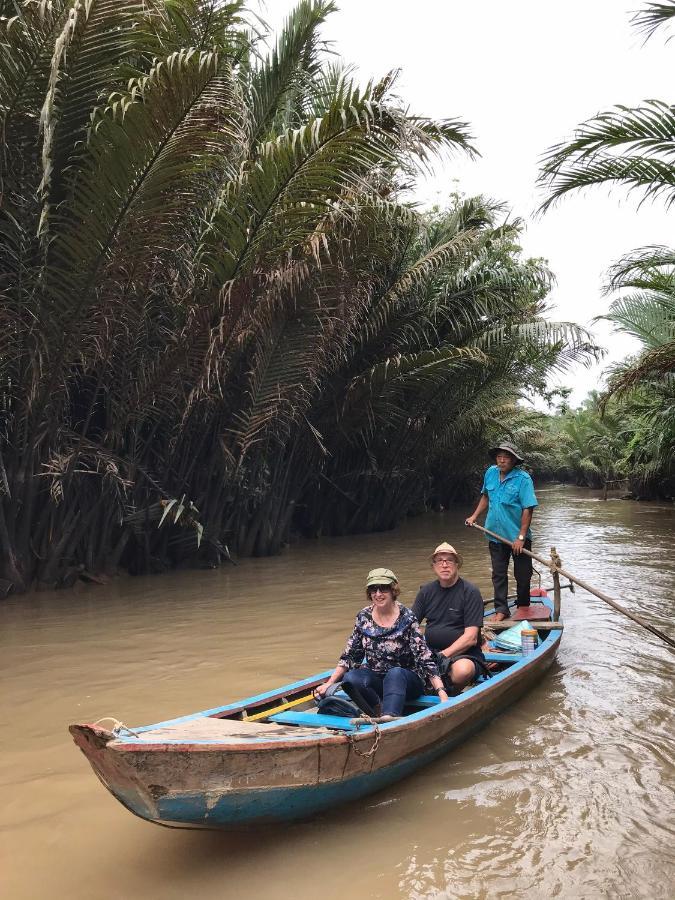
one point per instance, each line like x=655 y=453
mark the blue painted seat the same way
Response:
x=428 y=700
x=503 y=657
x=425 y=701
x=313 y=720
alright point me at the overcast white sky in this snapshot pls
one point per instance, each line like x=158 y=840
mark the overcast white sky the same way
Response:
x=523 y=74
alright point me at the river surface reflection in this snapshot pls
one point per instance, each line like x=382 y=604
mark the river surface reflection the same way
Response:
x=567 y=794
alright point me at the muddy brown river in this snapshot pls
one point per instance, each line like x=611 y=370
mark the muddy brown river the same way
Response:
x=569 y=793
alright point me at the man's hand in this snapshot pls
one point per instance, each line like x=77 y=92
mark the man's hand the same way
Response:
x=517 y=547
x=470 y=521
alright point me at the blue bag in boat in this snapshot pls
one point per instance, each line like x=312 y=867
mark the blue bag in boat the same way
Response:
x=511 y=639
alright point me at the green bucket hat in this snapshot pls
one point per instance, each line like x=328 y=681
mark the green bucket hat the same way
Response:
x=510 y=448
x=381 y=576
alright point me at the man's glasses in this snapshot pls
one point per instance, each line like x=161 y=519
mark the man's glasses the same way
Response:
x=446 y=562
x=382 y=588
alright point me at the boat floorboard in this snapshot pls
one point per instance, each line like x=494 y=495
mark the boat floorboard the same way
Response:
x=222 y=731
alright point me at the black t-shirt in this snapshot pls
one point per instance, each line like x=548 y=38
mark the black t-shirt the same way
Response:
x=448 y=612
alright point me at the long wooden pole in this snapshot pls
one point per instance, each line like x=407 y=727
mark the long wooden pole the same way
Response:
x=585 y=586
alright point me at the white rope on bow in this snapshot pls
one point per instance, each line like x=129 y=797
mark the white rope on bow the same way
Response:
x=117 y=725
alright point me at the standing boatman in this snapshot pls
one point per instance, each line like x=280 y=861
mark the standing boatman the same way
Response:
x=508 y=495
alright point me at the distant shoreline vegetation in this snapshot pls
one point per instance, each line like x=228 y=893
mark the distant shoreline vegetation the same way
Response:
x=220 y=323
x=618 y=444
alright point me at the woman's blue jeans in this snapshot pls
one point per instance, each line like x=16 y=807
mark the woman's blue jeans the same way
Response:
x=392 y=689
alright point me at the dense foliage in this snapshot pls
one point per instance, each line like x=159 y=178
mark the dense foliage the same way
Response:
x=623 y=444
x=219 y=321
x=632 y=431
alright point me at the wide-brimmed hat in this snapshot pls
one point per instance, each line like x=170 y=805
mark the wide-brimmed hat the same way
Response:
x=381 y=576
x=510 y=448
x=445 y=547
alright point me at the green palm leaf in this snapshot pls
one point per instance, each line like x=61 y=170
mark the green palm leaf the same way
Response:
x=647 y=316
x=203 y=24
x=657 y=363
x=644 y=269
x=541 y=332
x=653 y=16
x=646 y=138
x=96 y=39
x=280 y=85
x=430 y=367
x=27 y=41
x=155 y=154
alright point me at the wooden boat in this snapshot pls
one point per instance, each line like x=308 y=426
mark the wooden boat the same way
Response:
x=272 y=757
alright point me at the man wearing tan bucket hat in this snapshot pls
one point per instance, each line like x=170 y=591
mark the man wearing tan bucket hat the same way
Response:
x=453 y=609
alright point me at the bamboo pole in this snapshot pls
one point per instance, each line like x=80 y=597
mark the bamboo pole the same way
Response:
x=558 y=570
x=556 y=584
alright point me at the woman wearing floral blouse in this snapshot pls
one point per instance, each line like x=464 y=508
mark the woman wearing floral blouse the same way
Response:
x=393 y=659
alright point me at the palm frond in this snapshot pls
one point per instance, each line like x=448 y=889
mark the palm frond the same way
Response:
x=155 y=153
x=433 y=366
x=203 y=24
x=645 y=136
x=96 y=38
x=640 y=268
x=280 y=84
x=653 y=16
x=571 y=342
x=297 y=179
x=646 y=316
x=27 y=39
x=654 y=364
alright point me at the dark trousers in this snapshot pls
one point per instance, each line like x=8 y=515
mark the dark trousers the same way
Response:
x=397 y=686
x=500 y=555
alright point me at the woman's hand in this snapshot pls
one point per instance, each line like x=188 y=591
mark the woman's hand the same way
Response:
x=320 y=691
x=437 y=685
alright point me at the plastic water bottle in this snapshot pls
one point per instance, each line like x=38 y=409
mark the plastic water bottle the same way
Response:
x=528 y=640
